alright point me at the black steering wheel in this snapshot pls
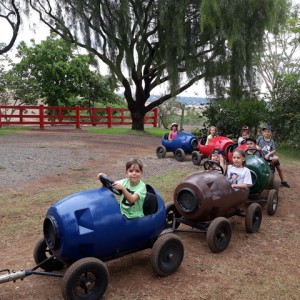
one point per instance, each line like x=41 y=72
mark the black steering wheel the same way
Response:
x=213 y=165
x=108 y=184
x=255 y=151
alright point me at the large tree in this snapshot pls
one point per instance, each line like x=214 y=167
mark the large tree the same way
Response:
x=146 y=44
x=10 y=14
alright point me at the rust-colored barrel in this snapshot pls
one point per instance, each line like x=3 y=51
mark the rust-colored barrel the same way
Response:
x=204 y=196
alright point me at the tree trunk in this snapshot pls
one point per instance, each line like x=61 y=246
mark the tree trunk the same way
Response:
x=137 y=119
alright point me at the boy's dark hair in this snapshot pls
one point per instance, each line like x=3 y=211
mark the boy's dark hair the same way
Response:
x=134 y=161
x=250 y=139
x=218 y=151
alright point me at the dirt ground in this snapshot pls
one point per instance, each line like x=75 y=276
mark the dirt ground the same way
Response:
x=264 y=265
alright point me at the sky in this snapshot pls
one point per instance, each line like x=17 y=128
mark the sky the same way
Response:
x=41 y=31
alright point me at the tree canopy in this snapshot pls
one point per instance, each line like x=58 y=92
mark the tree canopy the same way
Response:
x=146 y=44
x=53 y=72
x=285 y=114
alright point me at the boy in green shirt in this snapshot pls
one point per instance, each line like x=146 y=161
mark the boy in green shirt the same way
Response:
x=133 y=190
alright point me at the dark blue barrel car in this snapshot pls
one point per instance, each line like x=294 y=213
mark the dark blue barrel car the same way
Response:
x=84 y=230
x=183 y=143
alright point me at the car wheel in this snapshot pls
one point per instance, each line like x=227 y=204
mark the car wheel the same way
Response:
x=41 y=252
x=272 y=202
x=167 y=254
x=171 y=212
x=218 y=234
x=161 y=152
x=196 y=158
x=87 y=278
x=253 y=218
x=179 y=154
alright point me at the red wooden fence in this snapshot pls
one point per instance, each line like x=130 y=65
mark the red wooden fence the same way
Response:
x=56 y=115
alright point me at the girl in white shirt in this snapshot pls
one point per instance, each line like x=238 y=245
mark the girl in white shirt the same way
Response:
x=238 y=175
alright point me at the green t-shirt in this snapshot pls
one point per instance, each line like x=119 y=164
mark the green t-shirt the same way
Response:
x=133 y=210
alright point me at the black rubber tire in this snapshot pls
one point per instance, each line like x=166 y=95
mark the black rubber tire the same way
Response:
x=218 y=234
x=87 y=278
x=167 y=254
x=161 y=152
x=196 y=158
x=272 y=202
x=253 y=218
x=171 y=210
x=41 y=252
x=179 y=155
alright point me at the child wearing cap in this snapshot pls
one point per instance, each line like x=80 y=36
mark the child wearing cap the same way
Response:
x=217 y=155
x=267 y=145
x=174 y=131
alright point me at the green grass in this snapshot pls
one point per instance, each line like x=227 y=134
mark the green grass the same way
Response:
x=152 y=131
x=288 y=154
x=11 y=130
x=166 y=182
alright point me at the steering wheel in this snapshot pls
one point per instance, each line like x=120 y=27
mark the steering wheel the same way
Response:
x=213 y=165
x=108 y=184
x=255 y=151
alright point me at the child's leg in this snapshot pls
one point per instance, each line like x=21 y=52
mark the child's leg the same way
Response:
x=275 y=162
x=279 y=172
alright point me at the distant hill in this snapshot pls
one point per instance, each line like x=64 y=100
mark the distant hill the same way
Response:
x=182 y=99
x=185 y=100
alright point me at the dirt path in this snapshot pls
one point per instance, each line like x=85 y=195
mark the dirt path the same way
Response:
x=259 y=266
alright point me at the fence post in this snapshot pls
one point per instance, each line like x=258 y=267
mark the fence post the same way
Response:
x=155 y=118
x=59 y=114
x=77 y=117
x=21 y=115
x=0 y=118
x=94 y=116
x=109 y=117
x=41 y=110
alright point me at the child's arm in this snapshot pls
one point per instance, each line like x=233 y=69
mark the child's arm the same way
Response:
x=239 y=185
x=130 y=197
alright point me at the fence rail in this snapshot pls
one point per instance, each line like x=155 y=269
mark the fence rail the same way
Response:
x=42 y=115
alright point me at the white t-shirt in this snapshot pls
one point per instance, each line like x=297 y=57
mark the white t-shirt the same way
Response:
x=239 y=175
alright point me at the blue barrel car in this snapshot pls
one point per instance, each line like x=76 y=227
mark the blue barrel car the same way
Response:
x=184 y=143
x=84 y=230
